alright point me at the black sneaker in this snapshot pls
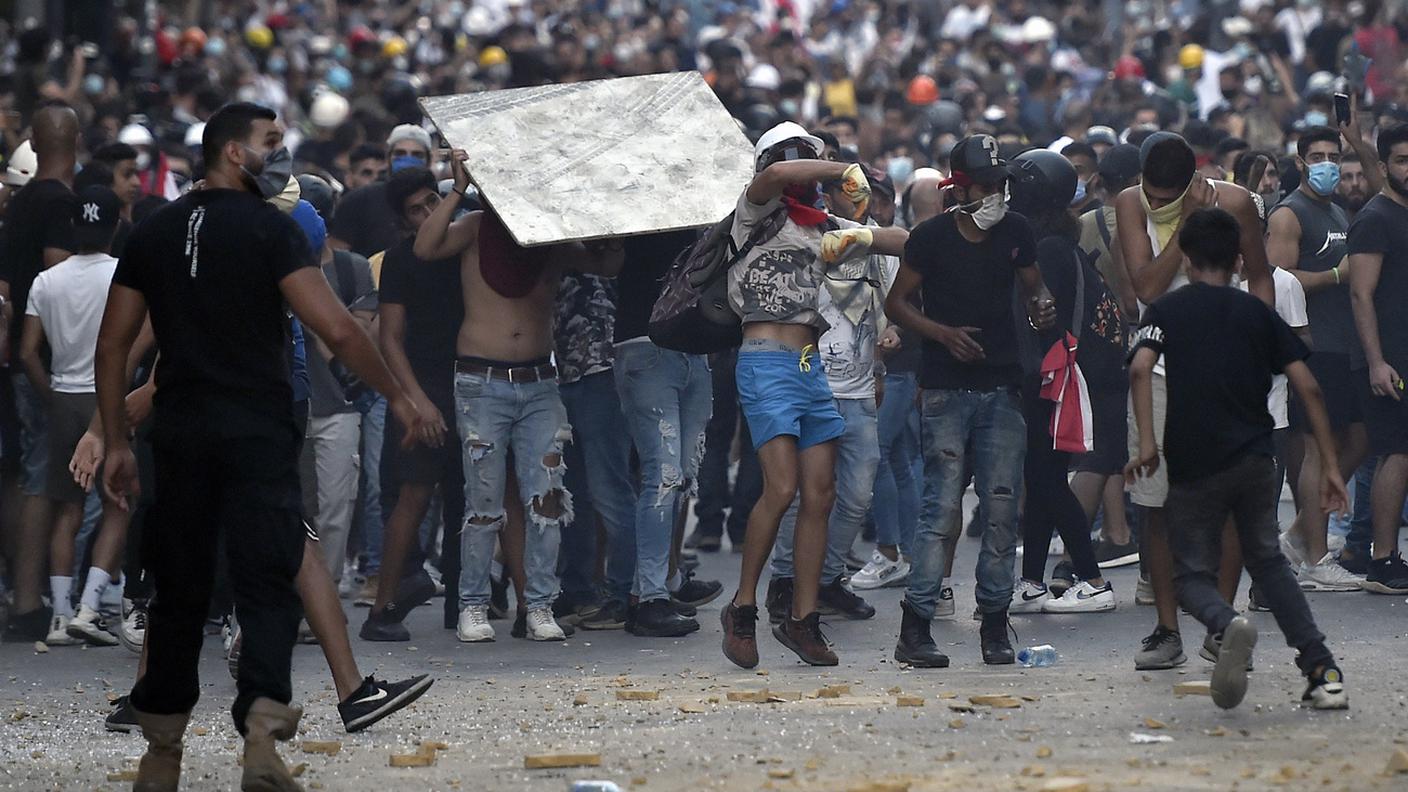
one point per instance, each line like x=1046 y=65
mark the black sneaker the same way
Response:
x=413 y=591
x=704 y=543
x=1063 y=578
x=656 y=619
x=1326 y=689
x=1255 y=601
x=697 y=592
x=28 y=627
x=122 y=718
x=779 y=599
x=1109 y=555
x=1387 y=576
x=376 y=699
x=1356 y=563
x=568 y=610
x=684 y=608
x=611 y=616
x=836 y=598
x=520 y=626
x=384 y=627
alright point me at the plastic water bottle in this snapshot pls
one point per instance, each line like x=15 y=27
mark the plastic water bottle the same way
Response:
x=1038 y=656
x=594 y=786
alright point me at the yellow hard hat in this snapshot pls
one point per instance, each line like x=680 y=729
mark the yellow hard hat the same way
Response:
x=393 y=47
x=1191 y=56
x=492 y=56
x=259 y=37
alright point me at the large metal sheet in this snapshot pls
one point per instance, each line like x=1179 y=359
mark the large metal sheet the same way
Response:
x=600 y=159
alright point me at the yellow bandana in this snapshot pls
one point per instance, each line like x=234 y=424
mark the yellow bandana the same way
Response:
x=1165 y=219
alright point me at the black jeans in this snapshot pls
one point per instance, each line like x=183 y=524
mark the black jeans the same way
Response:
x=1196 y=512
x=715 y=494
x=1050 y=505
x=243 y=485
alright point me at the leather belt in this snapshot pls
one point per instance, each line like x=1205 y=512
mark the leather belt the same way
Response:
x=513 y=375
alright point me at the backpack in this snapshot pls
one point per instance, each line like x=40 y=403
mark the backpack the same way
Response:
x=692 y=314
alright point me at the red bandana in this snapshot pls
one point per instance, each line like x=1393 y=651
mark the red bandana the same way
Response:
x=508 y=268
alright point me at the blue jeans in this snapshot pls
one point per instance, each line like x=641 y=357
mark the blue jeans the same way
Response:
x=1361 y=526
x=372 y=522
x=527 y=419
x=857 y=457
x=667 y=397
x=897 y=480
x=984 y=431
x=598 y=476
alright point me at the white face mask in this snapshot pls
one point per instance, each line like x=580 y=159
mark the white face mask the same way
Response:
x=988 y=212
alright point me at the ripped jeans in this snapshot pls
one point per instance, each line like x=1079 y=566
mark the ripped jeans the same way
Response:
x=984 y=431
x=527 y=418
x=667 y=398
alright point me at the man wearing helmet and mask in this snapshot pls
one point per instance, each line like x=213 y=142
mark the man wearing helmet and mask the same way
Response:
x=782 y=387
x=968 y=261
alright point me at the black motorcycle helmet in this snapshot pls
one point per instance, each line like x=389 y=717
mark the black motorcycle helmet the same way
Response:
x=1041 y=181
x=316 y=191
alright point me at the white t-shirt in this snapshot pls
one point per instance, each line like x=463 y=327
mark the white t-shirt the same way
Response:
x=1290 y=306
x=69 y=298
x=847 y=347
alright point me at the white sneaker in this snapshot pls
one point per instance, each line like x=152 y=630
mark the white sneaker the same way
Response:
x=132 y=630
x=881 y=572
x=1028 y=597
x=88 y=627
x=1144 y=592
x=543 y=627
x=944 y=608
x=1292 y=550
x=1328 y=575
x=1082 y=598
x=58 y=632
x=474 y=626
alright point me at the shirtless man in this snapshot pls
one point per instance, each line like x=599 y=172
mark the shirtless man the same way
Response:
x=1147 y=217
x=506 y=397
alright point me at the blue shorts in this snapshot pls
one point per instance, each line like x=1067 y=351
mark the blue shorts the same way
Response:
x=778 y=397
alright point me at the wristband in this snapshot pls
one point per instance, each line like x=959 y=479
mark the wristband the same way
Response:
x=1336 y=270
x=463 y=195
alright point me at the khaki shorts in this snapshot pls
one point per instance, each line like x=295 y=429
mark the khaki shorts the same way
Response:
x=1151 y=491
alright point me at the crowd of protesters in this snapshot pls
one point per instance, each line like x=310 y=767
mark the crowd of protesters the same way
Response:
x=1127 y=270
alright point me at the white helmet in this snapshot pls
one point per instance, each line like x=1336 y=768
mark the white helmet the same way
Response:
x=329 y=110
x=135 y=135
x=23 y=164
x=787 y=130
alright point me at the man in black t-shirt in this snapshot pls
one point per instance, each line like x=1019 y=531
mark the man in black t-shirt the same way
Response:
x=38 y=234
x=364 y=222
x=1220 y=348
x=968 y=262
x=214 y=270
x=1378 y=257
x=421 y=310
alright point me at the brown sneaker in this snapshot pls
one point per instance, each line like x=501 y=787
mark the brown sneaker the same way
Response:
x=740 y=634
x=804 y=637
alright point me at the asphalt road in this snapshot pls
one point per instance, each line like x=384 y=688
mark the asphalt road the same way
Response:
x=492 y=704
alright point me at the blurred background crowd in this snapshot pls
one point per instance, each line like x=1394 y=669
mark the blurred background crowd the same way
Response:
x=897 y=81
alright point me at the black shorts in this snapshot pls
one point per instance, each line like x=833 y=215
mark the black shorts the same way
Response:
x=1337 y=382
x=1109 y=410
x=421 y=464
x=1385 y=419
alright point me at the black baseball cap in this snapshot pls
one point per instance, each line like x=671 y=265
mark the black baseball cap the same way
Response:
x=977 y=157
x=1120 y=164
x=98 y=207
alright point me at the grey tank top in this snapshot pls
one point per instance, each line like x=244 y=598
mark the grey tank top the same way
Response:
x=1323 y=245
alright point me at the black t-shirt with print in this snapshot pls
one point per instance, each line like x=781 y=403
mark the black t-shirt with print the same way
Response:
x=967 y=284
x=1221 y=347
x=209 y=265
x=39 y=216
x=1382 y=227
x=434 y=303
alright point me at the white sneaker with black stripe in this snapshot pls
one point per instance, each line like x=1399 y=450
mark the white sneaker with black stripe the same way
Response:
x=1082 y=598
x=1029 y=597
x=881 y=572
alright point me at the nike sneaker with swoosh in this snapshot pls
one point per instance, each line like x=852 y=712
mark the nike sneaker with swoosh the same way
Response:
x=376 y=699
x=1083 y=598
x=1029 y=597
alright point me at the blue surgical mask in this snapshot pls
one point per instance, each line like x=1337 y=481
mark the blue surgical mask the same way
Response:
x=215 y=47
x=1316 y=118
x=93 y=84
x=1324 y=177
x=900 y=169
x=339 y=78
x=1079 y=197
x=277 y=65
